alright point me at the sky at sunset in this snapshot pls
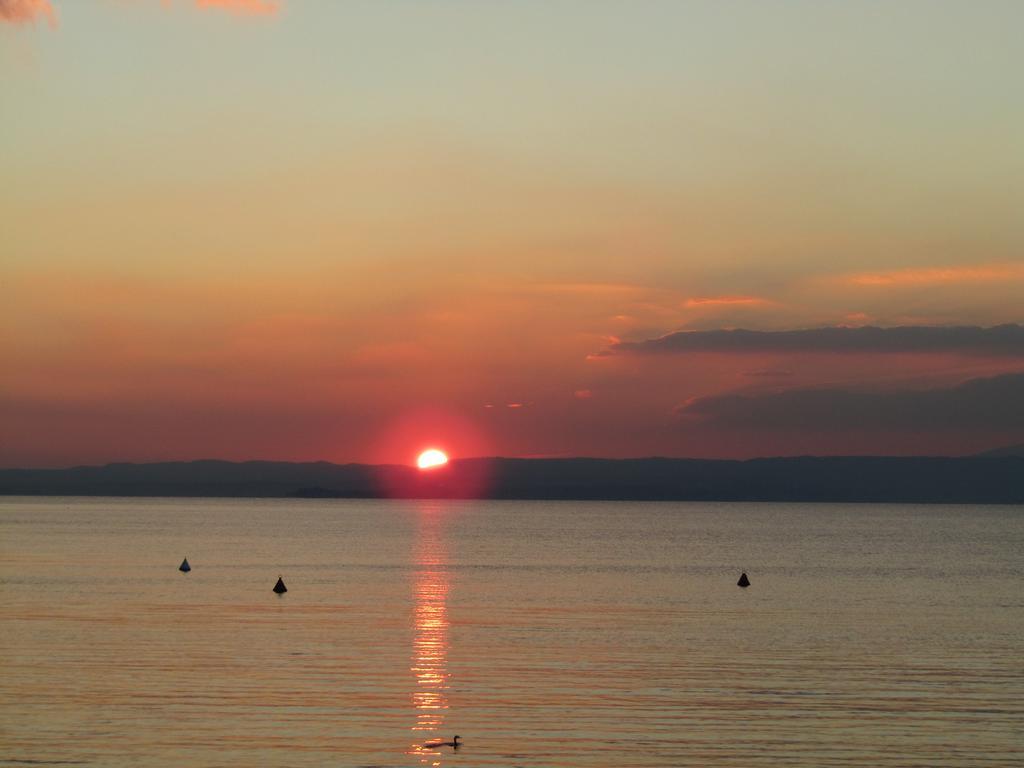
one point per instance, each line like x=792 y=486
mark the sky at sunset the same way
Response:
x=319 y=229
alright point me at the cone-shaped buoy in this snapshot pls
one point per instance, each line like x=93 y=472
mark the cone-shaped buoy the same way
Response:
x=280 y=588
x=744 y=581
x=184 y=567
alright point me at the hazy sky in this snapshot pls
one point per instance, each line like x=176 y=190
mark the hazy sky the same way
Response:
x=321 y=229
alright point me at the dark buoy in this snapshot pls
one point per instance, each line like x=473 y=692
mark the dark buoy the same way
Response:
x=744 y=581
x=280 y=588
x=184 y=567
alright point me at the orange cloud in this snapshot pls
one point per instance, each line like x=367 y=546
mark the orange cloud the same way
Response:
x=250 y=7
x=717 y=301
x=26 y=11
x=400 y=355
x=591 y=289
x=981 y=273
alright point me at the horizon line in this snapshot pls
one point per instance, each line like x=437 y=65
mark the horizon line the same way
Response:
x=980 y=454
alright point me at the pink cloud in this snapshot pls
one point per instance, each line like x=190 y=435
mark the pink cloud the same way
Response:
x=980 y=273
x=245 y=7
x=26 y=11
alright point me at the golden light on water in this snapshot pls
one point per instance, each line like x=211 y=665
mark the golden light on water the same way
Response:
x=430 y=639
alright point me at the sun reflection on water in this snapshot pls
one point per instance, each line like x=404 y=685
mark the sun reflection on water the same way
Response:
x=430 y=633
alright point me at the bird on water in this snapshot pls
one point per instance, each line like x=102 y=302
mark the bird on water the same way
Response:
x=184 y=567
x=454 y=743
x=280 y=588
x=744 y=581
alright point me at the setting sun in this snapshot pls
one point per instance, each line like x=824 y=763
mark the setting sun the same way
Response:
x=431 y=458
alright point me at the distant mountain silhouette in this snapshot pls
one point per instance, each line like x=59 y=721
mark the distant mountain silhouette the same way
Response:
x=975 y=479
x=1009 y=450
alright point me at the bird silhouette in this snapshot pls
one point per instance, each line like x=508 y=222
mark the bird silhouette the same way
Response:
x=454 y=743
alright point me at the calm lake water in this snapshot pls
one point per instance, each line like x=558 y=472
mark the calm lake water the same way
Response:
x=544 y=633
